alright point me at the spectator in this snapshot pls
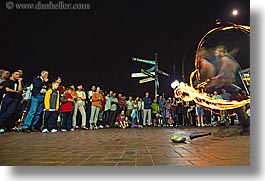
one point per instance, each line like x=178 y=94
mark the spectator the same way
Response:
x=39 y=89
x=13 y=90
x=51 y=106
x=147 y=109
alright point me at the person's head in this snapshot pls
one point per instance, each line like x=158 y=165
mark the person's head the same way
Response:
x=55 y=85
x=98 y=90
x=72 y=86
x=147 y=94
x=160 y=97
x=122 y=112
x=220 y=51
x=215 y=93
x=223 y=91
x=110 y=93
x=1 y=71
x=80 y=87
x=93 y=88
x=244 y=92
x=119 y=95
x=58 y=80
x=5 y=74
x=69 y=90
x=130 y=98
x=20 y=72
x=154 y=100
x=114 y=94
x=44 y=74
x=15 y=75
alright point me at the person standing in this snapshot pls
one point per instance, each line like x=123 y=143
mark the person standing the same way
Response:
x=51 y=107
x=147 y=109
x=66 y=110
x=162 y=110
x=107 y=110
x=39 y=89
x=3 y=78
x=97 y=99
x=89 y=102
x=155 y=110
x=80 y=105
x=11 y=98
x=113 y=109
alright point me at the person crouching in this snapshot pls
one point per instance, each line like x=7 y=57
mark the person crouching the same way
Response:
x=122 y=120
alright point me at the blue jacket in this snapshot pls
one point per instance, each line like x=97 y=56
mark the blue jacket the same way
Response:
x=37 y=86
x=147 y=102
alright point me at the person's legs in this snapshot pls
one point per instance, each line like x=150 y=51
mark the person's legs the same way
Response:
x=32 y=111
x=74 y=115
x=83 y=114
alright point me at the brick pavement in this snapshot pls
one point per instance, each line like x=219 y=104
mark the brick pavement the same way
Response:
x=128 y=147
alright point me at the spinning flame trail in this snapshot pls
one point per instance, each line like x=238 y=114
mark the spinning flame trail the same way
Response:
x=188 y=92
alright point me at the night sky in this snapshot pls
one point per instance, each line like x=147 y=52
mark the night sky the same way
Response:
x=95 y=47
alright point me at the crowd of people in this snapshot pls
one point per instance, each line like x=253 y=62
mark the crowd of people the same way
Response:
x=49 y=106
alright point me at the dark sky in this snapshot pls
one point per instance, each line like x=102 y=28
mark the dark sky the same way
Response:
x=96 y=46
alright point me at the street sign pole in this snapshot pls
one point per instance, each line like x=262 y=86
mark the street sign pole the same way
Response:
x=151 y=73
x=156 y=75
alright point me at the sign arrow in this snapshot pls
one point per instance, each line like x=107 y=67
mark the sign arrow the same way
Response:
x=163 y=73
x=147 y=73
x=146 y=80
x=141 y=74
x=143 y=60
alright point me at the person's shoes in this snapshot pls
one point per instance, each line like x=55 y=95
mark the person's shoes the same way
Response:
x=91 y=127
x=95 y=127
x=107 y=126
x=34 y=130
x=54 y=130
x=84 y=128
x=26 y=130
x=63 y=130
x=72 y=129
x=244 y=133
x=2 y=131
x=100 y=127
x=45 y=131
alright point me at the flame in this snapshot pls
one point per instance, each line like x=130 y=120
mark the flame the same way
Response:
x=189 y=93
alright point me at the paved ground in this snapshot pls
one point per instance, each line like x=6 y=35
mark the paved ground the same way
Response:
x=128 y=147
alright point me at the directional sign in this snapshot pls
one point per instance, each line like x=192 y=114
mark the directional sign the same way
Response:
x=140 y=74
x=147 y=73
x=163 y=73
x=146 y=80
x=151 y=69
x=143 y=60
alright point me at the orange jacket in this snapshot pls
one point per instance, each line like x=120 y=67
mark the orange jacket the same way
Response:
x=97 y=98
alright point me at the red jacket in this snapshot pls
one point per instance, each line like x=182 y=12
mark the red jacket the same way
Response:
x=66 y=105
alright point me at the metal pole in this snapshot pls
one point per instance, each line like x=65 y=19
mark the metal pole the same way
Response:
x=156 y=75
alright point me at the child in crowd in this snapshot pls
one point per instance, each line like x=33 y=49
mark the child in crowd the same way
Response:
x=122 y=120
x=159 y=120
x=51 y=106
x=170 y=121
x=66 y=110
